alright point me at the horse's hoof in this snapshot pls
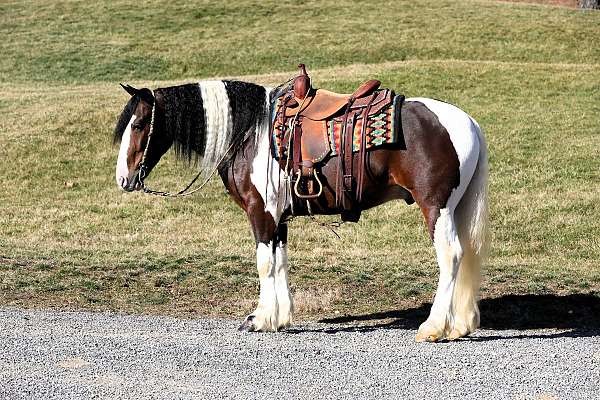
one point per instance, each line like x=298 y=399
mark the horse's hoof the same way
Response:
x=247 y=325
x=429 y=333
x=427 y=338
x=456 y=334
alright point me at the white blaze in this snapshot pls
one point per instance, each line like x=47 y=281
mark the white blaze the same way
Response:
x=122 y=171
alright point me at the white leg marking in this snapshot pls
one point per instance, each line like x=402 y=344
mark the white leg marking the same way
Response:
x=449 y=254
x=464 y=301
x=284 y=297
x=267 y=176
x=122 y=171
x=266 y=313
x=218 y=118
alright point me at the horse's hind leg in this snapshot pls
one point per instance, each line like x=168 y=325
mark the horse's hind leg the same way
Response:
x=449 y=254
x=464 y=302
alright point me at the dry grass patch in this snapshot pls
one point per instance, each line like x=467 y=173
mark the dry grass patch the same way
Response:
x=316 y=301
x=89 y=245
x=70 y=239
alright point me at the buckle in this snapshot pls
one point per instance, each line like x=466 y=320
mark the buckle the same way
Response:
x=348 y=179
x=142 y=173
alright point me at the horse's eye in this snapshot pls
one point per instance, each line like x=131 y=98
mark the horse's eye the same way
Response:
x=137 y=126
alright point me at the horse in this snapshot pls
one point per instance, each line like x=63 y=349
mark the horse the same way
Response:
x=225 y=125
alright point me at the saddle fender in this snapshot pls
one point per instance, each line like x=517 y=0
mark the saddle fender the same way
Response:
x=314 y=143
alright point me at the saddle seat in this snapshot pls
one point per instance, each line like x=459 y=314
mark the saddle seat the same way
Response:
x=322 y=104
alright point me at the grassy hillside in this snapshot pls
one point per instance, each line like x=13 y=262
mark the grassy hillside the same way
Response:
x=69 y=238
x=81 y=41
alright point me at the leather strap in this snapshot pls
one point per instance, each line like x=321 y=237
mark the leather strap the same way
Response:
x=297 y=152
x=362 y=156
x=348 y=155
x=339 y=184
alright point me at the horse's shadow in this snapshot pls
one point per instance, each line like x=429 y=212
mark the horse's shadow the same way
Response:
x=576 y=315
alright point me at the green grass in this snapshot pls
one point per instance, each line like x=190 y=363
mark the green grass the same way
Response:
x=70 y=239
x=81 y=41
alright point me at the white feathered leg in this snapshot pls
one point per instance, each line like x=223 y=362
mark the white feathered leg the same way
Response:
x=265 y=317
x=282 y=288
x=449 y=254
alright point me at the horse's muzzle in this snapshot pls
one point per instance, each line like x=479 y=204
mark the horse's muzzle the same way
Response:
x=130 y=186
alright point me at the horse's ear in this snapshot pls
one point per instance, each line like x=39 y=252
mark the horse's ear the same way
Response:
x=144 y=94
x=130 y=89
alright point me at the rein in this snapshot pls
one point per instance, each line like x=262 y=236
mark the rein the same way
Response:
x=143 y=168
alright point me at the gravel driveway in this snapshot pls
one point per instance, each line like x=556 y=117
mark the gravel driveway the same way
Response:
x=80 y=355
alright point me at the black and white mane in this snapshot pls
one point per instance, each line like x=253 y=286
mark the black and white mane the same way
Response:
x=203 y=120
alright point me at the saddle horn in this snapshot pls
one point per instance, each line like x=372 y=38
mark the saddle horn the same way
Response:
x=301 y=83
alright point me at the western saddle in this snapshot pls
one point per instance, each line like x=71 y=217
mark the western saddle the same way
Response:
x=302 y=116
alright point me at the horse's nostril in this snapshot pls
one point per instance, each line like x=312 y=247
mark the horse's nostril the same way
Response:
x=123 y=181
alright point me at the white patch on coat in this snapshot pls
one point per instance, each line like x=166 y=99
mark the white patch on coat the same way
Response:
x=282 y=288
x=267 y=176
x=122 y=170
x=266 y=314
x=454 y=312
x=464 y=137
x=218 y=119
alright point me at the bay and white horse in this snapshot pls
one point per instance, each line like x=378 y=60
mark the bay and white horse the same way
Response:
x=441 y=165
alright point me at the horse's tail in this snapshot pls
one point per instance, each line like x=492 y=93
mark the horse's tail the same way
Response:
x=471 y=217
x=473 y=207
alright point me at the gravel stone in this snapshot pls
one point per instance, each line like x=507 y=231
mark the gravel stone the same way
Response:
x=80 y=355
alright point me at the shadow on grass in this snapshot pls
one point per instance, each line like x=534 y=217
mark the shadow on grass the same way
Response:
x=577 y=314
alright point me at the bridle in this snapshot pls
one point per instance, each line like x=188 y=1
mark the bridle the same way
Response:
x=143 y=167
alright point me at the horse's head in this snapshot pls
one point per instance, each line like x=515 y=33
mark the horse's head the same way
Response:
x=137 y=156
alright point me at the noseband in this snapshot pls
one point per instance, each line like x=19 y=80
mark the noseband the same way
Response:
x=143 y=168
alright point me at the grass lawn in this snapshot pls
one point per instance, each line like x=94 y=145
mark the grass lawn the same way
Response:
x=69 y=238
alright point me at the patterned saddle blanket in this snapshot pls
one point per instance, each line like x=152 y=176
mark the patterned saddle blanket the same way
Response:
x=382 y=128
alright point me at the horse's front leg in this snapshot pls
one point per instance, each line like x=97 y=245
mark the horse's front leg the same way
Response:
x=275 y=306
x=282 y=287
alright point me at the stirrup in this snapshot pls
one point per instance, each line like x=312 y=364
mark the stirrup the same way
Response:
x=308 y=195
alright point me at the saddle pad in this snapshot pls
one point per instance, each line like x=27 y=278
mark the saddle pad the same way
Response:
x=381 y=130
